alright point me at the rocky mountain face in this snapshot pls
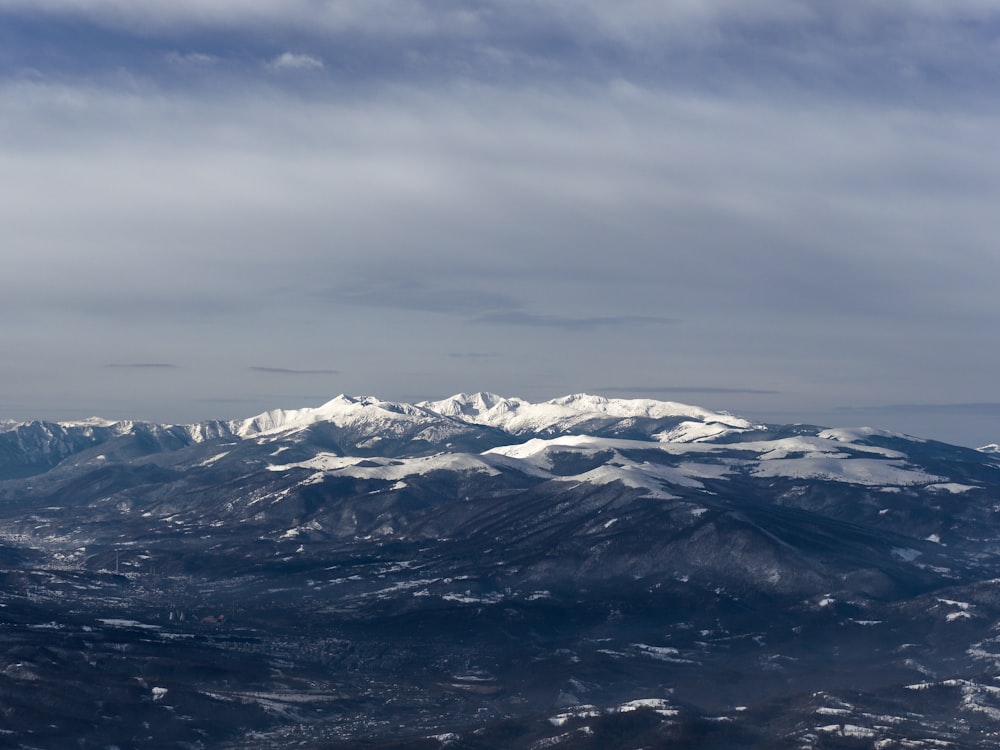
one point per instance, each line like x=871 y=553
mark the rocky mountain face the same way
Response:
x=484 y=572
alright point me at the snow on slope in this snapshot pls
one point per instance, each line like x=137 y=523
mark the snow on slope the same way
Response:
x=864 y=471
x=635 y=463
x=687 y=441
x=517 y=416
x=801 y=457
x=386 y=469
x=512 y=415
x=340 y=410
x=379 y=419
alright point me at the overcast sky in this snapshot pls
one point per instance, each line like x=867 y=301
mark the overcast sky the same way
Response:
x=790 y=210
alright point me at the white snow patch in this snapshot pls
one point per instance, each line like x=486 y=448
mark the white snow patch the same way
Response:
x=392 y=470
x=212 y=460
x=660 y=705
x=468 y=598
x=863 y=471
x=117 y=623
x=536 y=446
x=696 y=432
x=953 y=603
x=584 y=711
x=536 y=595
x=304 y=528
x=662 y=653
x=856 y=434
x=848 y=730
x=953 y=487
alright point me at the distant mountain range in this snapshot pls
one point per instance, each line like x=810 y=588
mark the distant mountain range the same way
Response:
x=488 y=572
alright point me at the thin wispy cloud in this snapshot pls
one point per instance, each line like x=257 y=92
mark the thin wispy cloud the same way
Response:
x=291 y=371
x=478 y=306
x=988 y=408
x=143 y=366
x=295 y=61
x=190 y=58
x=417 y=296
x=519 y=318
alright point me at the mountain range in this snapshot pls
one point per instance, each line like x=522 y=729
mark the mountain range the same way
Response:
x=483 y=572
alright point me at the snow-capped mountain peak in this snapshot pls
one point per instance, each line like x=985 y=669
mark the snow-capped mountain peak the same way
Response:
x=478 y=408
x=644 y=407
x=569 y=413
x=342 y=411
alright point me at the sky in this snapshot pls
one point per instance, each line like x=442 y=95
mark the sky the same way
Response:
x=787 y=210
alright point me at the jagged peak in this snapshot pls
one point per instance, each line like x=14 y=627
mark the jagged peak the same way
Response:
x=471 y=404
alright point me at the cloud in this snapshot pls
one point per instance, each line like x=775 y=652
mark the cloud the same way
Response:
x=477 y=306
x=293 y=61
x=810 y=188
x=984 y=409
x=155 y=16
x=423 y=16
x=569 y=323
x=190 y=58
x=418 y=296
x=915 y=52
x=145 y=366
x=289 y=371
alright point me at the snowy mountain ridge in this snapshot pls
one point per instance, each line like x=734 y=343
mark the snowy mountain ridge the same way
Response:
x=370 y=426
x=571 y=414
x=512 y=415
x=568 y=414
x=517 y=416
x=644 y=443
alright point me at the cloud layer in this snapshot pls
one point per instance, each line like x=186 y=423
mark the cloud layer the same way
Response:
x=792 y=206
